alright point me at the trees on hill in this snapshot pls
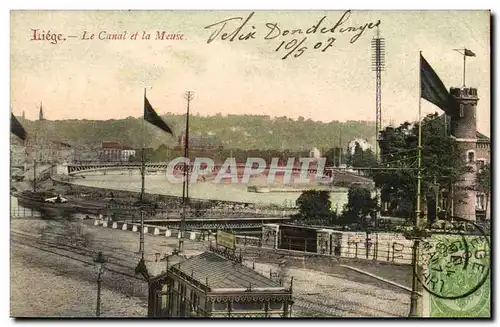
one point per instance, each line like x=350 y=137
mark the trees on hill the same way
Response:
x=234 y=131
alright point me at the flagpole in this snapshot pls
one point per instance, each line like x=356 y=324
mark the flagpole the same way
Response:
x=414 y=295
x=143 y=173
x=185 y=185
x=142 y=155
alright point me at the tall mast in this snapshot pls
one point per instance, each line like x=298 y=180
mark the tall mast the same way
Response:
x=185 y=185
x=378 y=65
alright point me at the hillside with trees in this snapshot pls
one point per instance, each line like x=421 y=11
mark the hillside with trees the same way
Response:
x=233 y=131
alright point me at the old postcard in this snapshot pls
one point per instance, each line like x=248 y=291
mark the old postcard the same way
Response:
x=255 y=164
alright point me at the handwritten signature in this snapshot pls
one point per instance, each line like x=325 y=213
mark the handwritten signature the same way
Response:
x=226 y=31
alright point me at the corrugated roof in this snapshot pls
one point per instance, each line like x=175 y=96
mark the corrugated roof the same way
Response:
x=223 y=273
x=111 y=145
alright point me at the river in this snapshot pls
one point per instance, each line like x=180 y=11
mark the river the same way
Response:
x=158 y=184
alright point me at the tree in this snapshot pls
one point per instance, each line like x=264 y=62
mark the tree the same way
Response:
x=483 y=182
x=359 y=204
x=334 y=156
x=362 y=158
x=441 y=161
x=314 y=207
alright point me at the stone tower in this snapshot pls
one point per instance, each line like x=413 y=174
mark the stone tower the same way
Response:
x=463 y=128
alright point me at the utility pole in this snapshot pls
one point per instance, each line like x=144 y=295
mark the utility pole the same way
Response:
x=341 y=149
x=185 y=187
x=34 y=175
x=98 y=306
x=416 y=241
x=141 y=237
x=436 y=195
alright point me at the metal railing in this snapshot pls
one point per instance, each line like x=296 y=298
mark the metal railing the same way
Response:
x=19 y=212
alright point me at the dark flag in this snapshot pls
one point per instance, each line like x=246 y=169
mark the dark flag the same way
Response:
x=16 y=128
x=151 y=116
x=469 y=53
x=433 y=90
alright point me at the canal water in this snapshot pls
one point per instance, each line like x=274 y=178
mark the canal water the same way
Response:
x=159 y=184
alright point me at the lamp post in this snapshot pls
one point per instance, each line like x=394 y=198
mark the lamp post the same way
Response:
x=99 y=266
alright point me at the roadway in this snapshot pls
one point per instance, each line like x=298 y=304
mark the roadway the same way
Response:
x=52 y=274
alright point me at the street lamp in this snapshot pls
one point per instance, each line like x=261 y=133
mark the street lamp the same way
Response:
x=99 y=267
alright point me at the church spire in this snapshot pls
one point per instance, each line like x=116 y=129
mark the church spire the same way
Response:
x=40 y=115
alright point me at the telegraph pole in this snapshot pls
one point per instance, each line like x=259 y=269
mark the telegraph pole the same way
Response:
x=185 y=187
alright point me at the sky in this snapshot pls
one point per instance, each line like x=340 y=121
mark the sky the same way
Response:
x=105 y=79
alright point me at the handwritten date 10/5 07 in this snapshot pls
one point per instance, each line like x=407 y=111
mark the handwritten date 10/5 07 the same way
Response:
x=297 y=48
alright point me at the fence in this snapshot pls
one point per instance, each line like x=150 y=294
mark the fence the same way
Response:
x=248 y=240
x=19 y=212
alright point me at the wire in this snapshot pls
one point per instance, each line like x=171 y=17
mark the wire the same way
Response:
x=398 y=152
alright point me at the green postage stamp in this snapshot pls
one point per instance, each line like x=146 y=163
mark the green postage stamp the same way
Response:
x=456 y=276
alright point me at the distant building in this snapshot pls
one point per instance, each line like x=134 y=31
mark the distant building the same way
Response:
x=49 y=152
x=17 y=151
x=111 y=151
x=362 y=143
x=114 y=151
x=127 y=152
x=205 y=142
x=315 y=153
x=84 y=153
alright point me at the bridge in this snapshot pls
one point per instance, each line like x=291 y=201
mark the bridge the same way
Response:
x=341 y=175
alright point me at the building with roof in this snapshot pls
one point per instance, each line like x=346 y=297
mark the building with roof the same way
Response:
x=115 y=151
x=110 y=151
x=215 y=283
x=364 y=145
x=127 y=152
x=49 y=151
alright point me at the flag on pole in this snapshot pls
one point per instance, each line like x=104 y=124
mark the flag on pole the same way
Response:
x=433 y=90
x=16 y=128
x=469 y=53
x=152 y=117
